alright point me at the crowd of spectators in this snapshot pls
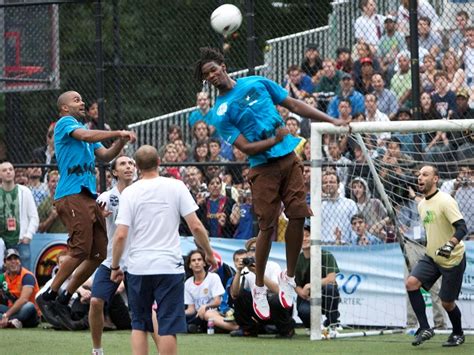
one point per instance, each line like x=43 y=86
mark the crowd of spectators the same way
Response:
x=371 y=82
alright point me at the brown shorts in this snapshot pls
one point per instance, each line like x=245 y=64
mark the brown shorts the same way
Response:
x=279 y=180
x=85 y=224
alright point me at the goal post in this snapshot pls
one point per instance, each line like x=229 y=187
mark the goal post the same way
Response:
x=391 y=203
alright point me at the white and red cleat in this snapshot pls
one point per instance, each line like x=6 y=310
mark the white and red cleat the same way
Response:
x=260 y=302
x=287 y=291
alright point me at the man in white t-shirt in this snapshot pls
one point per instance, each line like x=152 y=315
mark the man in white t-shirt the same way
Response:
x=103 y=289
x=203 y=295
x=150 y=212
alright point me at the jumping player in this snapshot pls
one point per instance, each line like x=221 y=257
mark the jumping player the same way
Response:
x=76 y=148
x=245 y=116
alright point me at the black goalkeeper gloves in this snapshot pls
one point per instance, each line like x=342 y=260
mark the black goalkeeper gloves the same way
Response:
x=445 y=250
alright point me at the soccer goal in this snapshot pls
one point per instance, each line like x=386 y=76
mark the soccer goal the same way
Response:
x=376 y=249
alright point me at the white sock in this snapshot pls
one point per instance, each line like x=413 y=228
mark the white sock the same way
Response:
x=98 y=351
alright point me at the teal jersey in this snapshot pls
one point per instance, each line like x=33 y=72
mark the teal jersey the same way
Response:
x=76 y=159
x=249 y=109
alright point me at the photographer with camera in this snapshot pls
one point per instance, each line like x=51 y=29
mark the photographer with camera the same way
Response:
x=240 y=291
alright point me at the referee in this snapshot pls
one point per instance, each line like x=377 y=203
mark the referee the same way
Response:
x=445 y=256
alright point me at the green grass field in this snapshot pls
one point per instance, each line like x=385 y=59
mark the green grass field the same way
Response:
x=45 y=341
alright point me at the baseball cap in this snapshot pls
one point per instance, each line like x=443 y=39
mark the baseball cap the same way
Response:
x=366 y=60
x=404 y=109
x=390 y=18
x=345 y=75
x=311 y=46
x=11 y=252
x=463 y=92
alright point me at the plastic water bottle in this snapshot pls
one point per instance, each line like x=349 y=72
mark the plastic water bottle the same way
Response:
x=210 y=326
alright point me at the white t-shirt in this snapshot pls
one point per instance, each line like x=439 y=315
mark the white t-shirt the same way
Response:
x=203 y=293
x=366 y=28
x=152 y=208
x=112 y=200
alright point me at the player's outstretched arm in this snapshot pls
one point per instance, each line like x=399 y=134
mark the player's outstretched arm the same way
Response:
x=200 y=235
x=303 y=109
x=108 y=154
x=93 y=136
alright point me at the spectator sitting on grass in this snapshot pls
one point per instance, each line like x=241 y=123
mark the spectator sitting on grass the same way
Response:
x=17 y=295
x=203 y=292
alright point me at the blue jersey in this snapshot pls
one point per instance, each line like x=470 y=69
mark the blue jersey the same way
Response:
x=249 y=109
x=245 y=227
x=76 y=159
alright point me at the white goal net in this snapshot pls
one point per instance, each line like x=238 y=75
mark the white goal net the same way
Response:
x=364 y=198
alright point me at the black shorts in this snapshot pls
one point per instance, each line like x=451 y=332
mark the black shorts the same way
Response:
x=427 y=271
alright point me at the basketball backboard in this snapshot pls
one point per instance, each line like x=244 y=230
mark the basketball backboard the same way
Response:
x=29 y=49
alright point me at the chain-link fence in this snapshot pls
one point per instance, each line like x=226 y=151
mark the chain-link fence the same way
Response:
x=148 y=52
x=351 y=59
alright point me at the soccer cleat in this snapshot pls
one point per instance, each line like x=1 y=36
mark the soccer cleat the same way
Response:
x=287 y=291
x=422 y=335
x=260 y=302
x=48 y=311
x=454 y=340
x=64 y=316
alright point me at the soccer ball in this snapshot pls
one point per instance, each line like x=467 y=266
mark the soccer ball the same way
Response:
x=226 y=19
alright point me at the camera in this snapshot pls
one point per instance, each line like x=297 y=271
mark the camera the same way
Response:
x=248 y=261
x=203 y=190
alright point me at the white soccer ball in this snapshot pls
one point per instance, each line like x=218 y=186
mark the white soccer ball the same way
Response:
x=226 y=19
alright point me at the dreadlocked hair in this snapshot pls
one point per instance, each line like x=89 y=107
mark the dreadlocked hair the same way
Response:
x=207 y=55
